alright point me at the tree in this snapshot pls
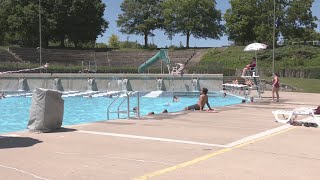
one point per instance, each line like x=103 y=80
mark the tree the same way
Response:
x=140 y=17
x=86 y=21
x=241 y=21
x=252 y=20
x=22 y=21
x=3 y=21
x=248 y=21
x=299 y=22
x=192 y=17
x=81 y=21
x=114 y=41
x=61 y=12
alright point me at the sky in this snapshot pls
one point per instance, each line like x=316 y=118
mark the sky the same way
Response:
x=113 y=10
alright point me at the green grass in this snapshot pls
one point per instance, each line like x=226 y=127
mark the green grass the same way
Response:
x=3 y=47
x=286 y=57
x=291 y=57
x=7 y=46
x=303 y=85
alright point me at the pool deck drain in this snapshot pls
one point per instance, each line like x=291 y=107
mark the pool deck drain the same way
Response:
x=239 y=142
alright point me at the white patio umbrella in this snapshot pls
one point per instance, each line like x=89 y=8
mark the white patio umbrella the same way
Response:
x=255 y=47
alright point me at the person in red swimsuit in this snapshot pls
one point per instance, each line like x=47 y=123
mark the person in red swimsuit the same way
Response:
x=250 y=66
x=275 y=86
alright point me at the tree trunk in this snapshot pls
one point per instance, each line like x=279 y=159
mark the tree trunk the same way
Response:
x=44 y=41
x=47 y=43
x=75 y=44
x=62 y=38
x=188 y=38
x=145 y=39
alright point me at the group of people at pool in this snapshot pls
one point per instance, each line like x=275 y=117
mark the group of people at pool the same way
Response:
x=251 y=67
x=203 y=100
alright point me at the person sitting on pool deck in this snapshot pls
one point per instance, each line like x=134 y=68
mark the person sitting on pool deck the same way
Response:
x=203 y=99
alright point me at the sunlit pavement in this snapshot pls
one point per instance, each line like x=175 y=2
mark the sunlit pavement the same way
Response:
x=238 y=142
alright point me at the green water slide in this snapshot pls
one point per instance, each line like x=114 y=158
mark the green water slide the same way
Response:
x=161 y=55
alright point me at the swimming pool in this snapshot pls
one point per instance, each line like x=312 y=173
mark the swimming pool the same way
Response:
x=14 y=114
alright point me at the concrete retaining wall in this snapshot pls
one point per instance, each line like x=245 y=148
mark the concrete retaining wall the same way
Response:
x=111 y=82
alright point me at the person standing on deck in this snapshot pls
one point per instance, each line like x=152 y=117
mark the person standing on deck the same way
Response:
x=275 y=86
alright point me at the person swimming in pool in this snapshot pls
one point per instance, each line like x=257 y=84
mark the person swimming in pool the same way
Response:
x=175 y=99
x=135 y=109
x=203 y=100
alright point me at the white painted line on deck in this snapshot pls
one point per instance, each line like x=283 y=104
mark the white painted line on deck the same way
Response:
x=259 y=135
x=66 y=153
x=116 y=157
x=24 y=172
x=229 y=145
x=138 y=160
x=150 y=138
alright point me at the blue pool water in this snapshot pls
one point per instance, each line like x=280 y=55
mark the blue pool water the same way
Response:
x=14 y=114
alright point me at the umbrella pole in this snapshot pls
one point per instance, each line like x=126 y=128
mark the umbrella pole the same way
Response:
x=256 y=63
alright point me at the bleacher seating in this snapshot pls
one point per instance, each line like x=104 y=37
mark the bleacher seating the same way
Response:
x=25 y=54
x=5 y=56
x=136 y=58
x=114 y=58
x=53 y=56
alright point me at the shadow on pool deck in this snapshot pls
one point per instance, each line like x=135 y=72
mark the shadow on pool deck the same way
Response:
x=61 y=130
x=7 y=142
x=17 y=142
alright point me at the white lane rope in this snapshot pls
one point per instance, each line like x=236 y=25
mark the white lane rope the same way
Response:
x=27 y=70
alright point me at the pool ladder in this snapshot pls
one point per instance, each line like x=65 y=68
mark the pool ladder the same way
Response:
x=127 y=97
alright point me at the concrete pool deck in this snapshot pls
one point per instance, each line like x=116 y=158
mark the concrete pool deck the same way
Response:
x=238 y=142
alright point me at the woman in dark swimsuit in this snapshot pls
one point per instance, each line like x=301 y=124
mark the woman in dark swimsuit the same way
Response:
x=275 y=86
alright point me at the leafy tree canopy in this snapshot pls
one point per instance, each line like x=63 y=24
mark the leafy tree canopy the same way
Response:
x=192 y=17
x=81 y=21
x=114 y=41
x=140 y=17
x=299 y=22
x=252 y=20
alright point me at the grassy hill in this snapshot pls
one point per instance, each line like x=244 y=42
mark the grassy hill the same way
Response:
x=303 y=85
x=294 y=57
x=286 y=57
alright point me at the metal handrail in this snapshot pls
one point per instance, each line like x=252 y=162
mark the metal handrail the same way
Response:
x=108 y=109
x=128 y=99
x=138 y=99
